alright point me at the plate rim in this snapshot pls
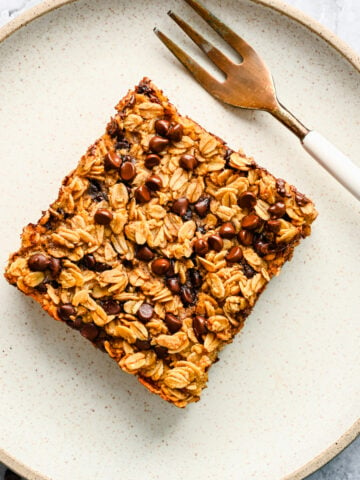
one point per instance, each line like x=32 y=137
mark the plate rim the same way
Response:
x=345 y=51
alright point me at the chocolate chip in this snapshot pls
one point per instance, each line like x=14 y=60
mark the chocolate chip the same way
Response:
x=101 y=267
x=251 y=222
x=127 y=171
x=201 y=207
x=161 y=266
x=188 y=162
x=41 y=288
x=95 y=190
x=112 y=128
x=280 y=187
x=142 y=194
x=144 y=87
x=227 y=230
x=172 y=322
x=145 y=254
x=111 y=307
x=88 y=261
x=199 y=327
x=103 y=216
x=175 y=132
x=160 y=351
x=245 y=237
x=273 y=225
x=145 y=312
x=38 y=262
x=277 y=210
x=301 y=199
x=201 y=246
x=235 y=254
x=162 y=127
x=180 y=206
x=65 y=311
x=173 y=284
x=157 y=144
x=187 y=295
x=195 y=278
x=89 y=331
x=131 y=102
x=249 y=272
x=154 y=183
x=247 y=200
x=152 y=160
x=76 y=324
x=122 y=145
x=54 y=266
x=215 y=242
x=142 y=344
x=112 y=160
x=262 y=248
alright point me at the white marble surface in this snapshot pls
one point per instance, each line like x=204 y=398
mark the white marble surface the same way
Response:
x=343 y=18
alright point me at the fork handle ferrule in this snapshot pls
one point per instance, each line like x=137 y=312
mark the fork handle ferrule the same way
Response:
x=289 y=120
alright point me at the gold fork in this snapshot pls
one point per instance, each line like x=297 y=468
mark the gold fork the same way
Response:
x=249 y=85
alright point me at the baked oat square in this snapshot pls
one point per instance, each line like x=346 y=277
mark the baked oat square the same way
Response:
x=159 y=244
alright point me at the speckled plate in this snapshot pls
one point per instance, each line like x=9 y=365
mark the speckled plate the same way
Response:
x=285 y=396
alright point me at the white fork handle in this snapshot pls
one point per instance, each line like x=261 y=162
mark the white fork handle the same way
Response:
x=335 y=162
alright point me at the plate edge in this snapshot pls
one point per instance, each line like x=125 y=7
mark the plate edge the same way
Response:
x=354 y=59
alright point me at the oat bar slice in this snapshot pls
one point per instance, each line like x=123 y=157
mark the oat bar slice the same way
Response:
x=159 y=244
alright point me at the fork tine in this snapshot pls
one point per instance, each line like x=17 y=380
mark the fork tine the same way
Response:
x=237 y=43
x=200 y=74
x=215 y=55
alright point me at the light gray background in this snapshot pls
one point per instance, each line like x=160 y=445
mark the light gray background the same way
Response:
x=343 y=18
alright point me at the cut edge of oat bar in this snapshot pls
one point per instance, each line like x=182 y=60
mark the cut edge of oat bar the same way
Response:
x=159 y=244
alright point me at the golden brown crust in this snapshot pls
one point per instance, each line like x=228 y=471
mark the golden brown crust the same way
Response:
x=90 y=261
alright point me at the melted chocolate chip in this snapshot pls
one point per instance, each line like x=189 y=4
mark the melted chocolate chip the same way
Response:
x=172 y=322
x=65 y=311
x=195 y=278
x=123 y=145
x=95 y=190
x=251 y=222
x=128 y=171
x=199 y=327
x=201 y=207
x=173 y=284
x=54 y=266
x=160 y=351
x=277 y=210
x=249 y=272
x=111 y=307
x=89 y=331
x=187 y=295
x=142 y=344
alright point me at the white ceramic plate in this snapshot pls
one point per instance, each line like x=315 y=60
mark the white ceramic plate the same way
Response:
x=288 y=388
